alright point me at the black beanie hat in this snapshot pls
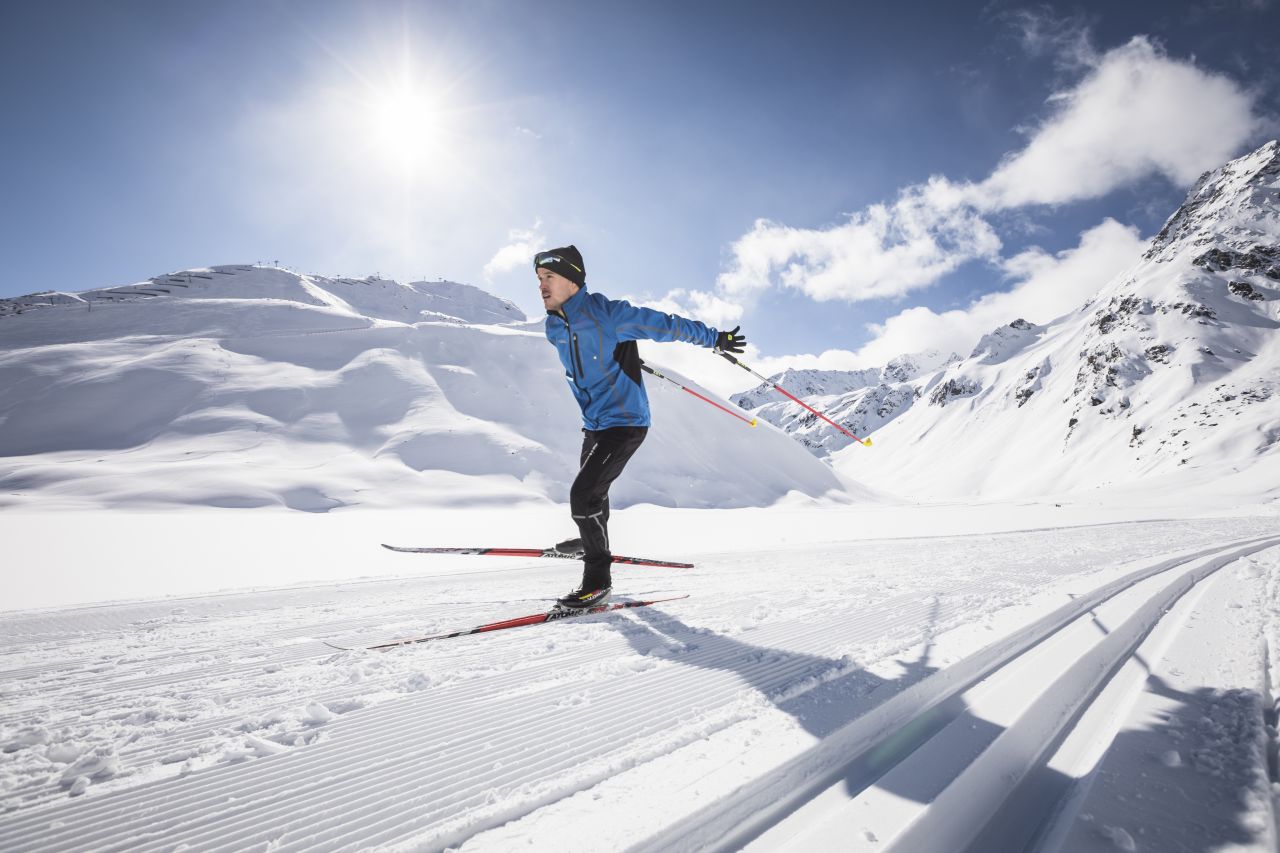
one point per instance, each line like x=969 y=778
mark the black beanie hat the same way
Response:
x=565 y=261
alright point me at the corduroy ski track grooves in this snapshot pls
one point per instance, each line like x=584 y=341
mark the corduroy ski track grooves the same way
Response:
x=397 y=792
x=906 y=613
x=460 y=713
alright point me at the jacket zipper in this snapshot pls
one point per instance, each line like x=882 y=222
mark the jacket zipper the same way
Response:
x=577 y=355
x=577 y=358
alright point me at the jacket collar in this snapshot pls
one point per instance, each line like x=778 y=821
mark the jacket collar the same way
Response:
x=572 y=304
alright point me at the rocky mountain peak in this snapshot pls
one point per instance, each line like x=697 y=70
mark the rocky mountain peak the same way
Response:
x=1236 y=206
x=998 y=345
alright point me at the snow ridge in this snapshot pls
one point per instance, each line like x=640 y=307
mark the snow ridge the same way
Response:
x=253 y=387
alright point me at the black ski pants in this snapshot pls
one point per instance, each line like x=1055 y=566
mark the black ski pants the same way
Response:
x=604 y=454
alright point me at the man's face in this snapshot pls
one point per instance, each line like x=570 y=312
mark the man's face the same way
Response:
x=555 y=289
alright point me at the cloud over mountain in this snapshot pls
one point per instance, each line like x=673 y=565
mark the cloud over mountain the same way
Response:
x=1133 y=112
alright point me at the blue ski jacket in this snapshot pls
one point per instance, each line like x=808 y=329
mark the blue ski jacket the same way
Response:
x=596 y=340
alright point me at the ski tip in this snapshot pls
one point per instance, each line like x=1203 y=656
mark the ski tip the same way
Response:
x=339 y=648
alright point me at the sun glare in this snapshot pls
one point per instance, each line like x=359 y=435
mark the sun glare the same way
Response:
x=407 y=128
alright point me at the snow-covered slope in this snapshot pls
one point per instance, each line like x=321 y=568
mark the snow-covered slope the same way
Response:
x=1171 y=372
x=862 y=400
x=248 y=386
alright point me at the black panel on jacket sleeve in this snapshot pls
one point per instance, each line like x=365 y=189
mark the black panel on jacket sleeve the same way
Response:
x=627 y=355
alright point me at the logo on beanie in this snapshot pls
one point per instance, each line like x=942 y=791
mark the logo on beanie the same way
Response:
x=566 y=261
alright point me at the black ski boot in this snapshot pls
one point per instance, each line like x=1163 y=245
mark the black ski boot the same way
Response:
x=570 y=548
x=582 y=598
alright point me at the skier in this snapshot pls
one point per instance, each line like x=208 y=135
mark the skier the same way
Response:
x=596 y=339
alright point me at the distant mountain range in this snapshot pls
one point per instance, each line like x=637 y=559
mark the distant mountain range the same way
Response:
x=1170 y=373
x=862 y=400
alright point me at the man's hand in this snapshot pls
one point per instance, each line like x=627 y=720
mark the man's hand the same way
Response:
x=731 y=342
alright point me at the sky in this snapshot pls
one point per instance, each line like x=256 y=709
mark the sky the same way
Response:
x=847 y=181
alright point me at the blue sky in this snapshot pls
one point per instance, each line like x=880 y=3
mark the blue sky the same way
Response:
x=142 y=137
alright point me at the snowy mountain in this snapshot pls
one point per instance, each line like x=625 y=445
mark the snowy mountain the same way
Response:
x=248 y=386
x=368 y=299
x=1172 y=370
x=862 y=400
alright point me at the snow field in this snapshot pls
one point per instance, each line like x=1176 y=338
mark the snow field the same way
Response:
x=223 y=722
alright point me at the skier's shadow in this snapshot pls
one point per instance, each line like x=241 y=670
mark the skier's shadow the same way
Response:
x=824 y=694
x=821 y=693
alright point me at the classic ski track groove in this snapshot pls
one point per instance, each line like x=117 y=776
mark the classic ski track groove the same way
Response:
x=714 y=691
x=735 y=821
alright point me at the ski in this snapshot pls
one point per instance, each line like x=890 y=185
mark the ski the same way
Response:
x=553 y=615
x=537 y=552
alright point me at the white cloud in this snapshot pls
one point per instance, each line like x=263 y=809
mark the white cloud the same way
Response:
x=1044 y=288
x=1133 y=114
x=884 y=251
x=699 y=305
x=1067 y=39
x=1136 y=113
x=519 y=251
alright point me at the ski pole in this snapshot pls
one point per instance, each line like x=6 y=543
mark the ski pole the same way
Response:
x=866 y=442
x=647 y=369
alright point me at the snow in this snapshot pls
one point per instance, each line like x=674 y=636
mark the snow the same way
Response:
x=1185 y=724
x=269 y=390
x=1039 y=613
x=227 y=716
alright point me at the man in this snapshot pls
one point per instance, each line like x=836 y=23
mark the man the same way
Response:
x=596 y=339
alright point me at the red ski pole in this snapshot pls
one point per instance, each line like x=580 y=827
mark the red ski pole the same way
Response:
x=866 y=442
x=647 y=369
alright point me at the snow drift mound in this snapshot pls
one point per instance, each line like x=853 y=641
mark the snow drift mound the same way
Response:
x=242 y=386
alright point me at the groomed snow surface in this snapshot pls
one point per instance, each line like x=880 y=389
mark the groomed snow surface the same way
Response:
x=1086 y=687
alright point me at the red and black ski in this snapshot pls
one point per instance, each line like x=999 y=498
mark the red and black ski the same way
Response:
x=553 y=615
x=537 y=552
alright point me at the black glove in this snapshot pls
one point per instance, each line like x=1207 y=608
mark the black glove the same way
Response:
x=731 y=341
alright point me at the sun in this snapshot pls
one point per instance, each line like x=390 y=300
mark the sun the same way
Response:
x=407 y=128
